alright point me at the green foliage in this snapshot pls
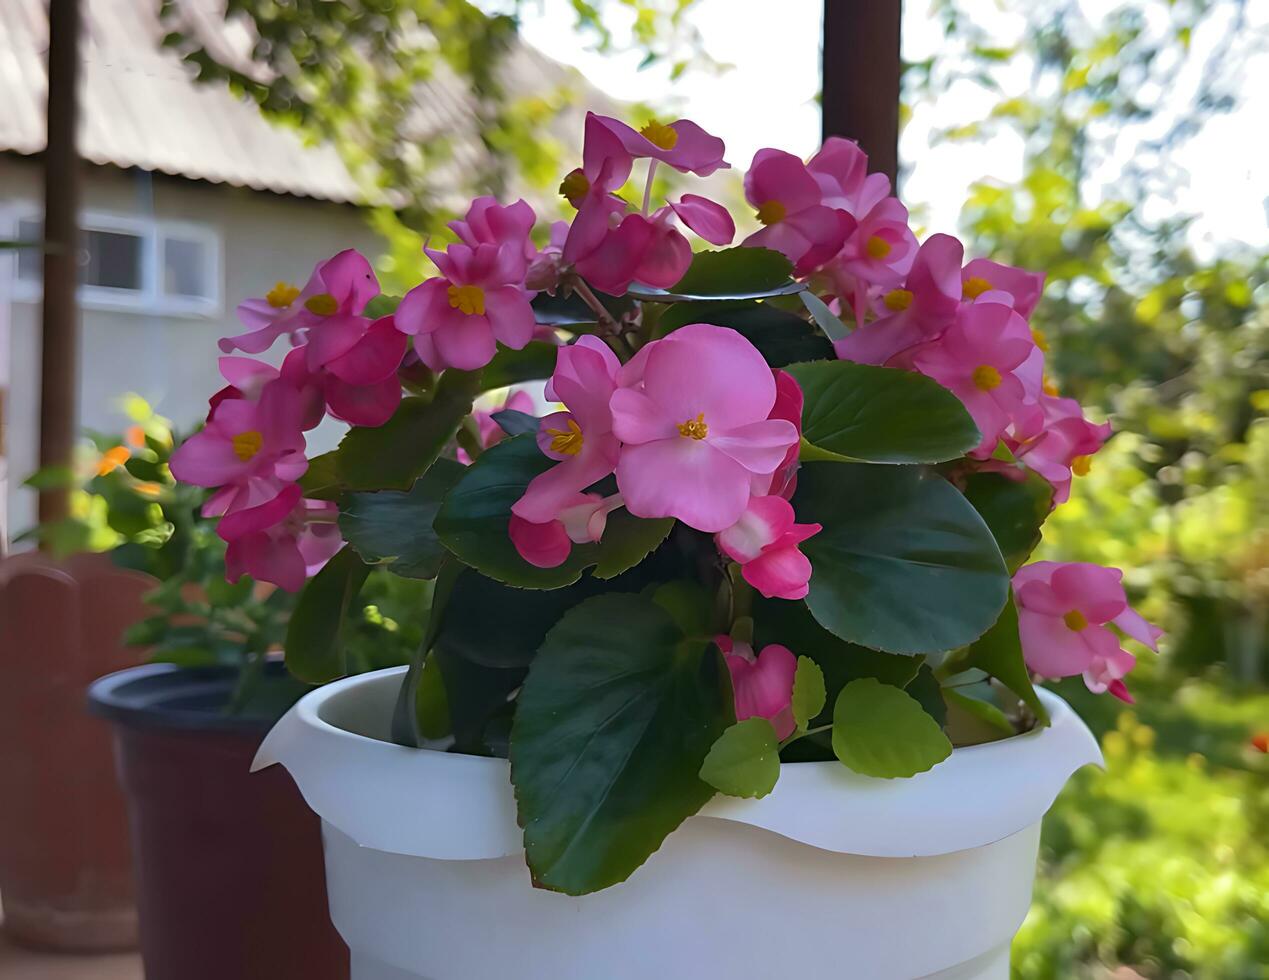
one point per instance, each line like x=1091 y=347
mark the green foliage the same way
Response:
x=809 y=692
x=738 y=273
x=879 y=730
x=315 y=646
x=745 y=761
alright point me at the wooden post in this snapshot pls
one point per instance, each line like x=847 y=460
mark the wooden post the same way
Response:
x=59 y=358
x=860 y=68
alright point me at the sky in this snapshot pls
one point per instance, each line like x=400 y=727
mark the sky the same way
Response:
x=767 y=98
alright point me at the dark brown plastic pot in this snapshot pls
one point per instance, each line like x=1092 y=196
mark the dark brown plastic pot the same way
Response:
x=231 y=883
x=65 y=869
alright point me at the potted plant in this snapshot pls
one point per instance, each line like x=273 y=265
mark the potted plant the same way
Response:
x=739 y=637
x=228 y=868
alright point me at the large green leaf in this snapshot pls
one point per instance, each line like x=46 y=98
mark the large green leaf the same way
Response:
x=782 y=337
x=878 y=730
x=392 y=528
x=473 y=521
x=614 y=721
x=903 y=564
x=395 y=454
x=745 y=761
x=858 y=412
x=315 y=649
x=321 y=480
x=1015 y=510
x=732 y=273
x=999 y=653
x=509 y=367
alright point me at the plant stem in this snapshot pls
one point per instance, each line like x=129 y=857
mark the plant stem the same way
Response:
x=647 y=188
x=605 y=319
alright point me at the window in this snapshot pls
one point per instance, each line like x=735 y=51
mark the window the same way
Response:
x=162 y=267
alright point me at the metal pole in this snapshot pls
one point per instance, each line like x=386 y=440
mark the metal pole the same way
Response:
x=59 y=358
x=861 y=67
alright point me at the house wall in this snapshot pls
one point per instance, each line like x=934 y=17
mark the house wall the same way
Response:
x=167 y=358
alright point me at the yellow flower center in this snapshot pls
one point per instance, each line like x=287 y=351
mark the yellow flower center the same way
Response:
x=574 y=187
x=877 y=247
x=567 y=441
x=898 y=299
x=247 y=444
x=1075 y=620
x=1050 y=387
x=1080 y=465
x=975 y=286
x=986 y=377
x=694 y=428
x=1040 y=339
x=282 y=295
x=770 y=212
x=660 y=135
x=468 y=299
x=323 y=304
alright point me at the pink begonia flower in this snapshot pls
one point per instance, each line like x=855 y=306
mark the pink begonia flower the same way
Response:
x=582 y=520
x=707 y=218
x=489 y=223
x=982 y=359
x=279 y=542
x=788 y=406
x=787 y=199
x=339 y=287
x=762 y=685
x=881 y=248
x=1063 y=612
x=247 y=377
x=840 y=168
x=697 y=429
x=479 y=299
x=1056 y=441
x=591 y=188
x=1023 y=288
x=681 y=144
x=917 y=312
x=489 y=430
x=765 y=542
x=581 y=438
x=548 y=265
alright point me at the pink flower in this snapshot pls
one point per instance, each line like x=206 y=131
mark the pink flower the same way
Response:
x=489 y=223
x=681 y=144
x=648 y=250
x=1063 y=612
x=788 y=202
x=765 y=541
x=548 y=265
x=840 y=168
x=707 y=218
x=339 y=287
x=1023 y=288
x=1055 y=440
x=697 y=429
x=881 y=248
x=762 y=684
x=788 y=406
x=490 y=431
x=279 y=541
x=591 y=189
x=582 y=519
x=983 y=359
x=581 y=438
x=479 y=300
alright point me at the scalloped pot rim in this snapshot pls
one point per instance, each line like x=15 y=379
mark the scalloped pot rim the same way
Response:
x=445 y=806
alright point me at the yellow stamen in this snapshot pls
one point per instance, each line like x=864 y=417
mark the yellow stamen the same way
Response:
x=567 y=442
x=975 y=286
x=660 y=135
x=1040 y=339
x=1050 y=387
x=898 y=299
x=694 y=428
x=468 y=299
x=247 y=444
x=574 y=187
x=323 y=304
x=1080 y=465
x=770 y=212
x=281 y=295
x=986 y=377
x=877 y=247
x=1075 y=620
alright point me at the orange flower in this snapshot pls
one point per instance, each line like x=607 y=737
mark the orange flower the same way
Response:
x=135 y=437
x=1261 y=741
x=149 y=489
x=112 y=459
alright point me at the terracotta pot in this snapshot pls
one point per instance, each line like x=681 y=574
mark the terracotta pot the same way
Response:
x=65 y=869
x=229 y=868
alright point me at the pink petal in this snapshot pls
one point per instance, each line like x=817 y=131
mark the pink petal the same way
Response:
x=423 y=307
x=510 y=315
x=376 y=356
x=765 y=519
x=709 y=220
x=780 y=573
x=548 y=492
x=776 y=175
x=1052 y=648
x=636 y=418
x=262 y=516
x=207 y=459
x=1095 y=591
x=542 y=545
x=464 y=342
x=368 y=405
x=683 y=478
x=712 y=371
x=763 y=687
x=1132 y=623
x=612 y=266
x=666 y=258
x=267 y=559
x=760 y=446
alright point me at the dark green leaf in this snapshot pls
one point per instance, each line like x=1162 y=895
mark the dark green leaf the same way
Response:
x=809 y=693
x=689 y=604
x=627 y=541
x=858 y=412
x=321 y=480
x=878 y=730
x=571 y=310
x=972 y=721
x=515 y=423
x=408 y=724
x=927 y=691
x=999 y=653
x=614 y=721
x=431 y=706
x=824 y=318
x=1013 y=509
x=509 y=367
x=745 y=761
x=732 y=273
x=904 y=563
x=391 y=528
x=782 y=337
x=315 y=636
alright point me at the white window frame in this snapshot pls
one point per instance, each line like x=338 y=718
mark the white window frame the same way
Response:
x=150 y=299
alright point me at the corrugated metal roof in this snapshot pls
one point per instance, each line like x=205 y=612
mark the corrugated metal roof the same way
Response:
x=141 y=108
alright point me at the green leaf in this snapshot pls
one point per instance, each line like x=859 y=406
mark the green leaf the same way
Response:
x=928 y=692
x=824 y=318
x=409 y=726
x=999 y=653
x=745 y=761
x=809 y=693
x=689 y=604
x=509 y=367
x=858 y=412
x=395 y=454
x=431 y=705
x=515 y=423
x=315 y=649
x=903 y=564
x=1015 y=510
x=733 y=273
x=321 y=480
x=570 y=311
x=878 y=730
x=54 y=477
x=382 y=305
x=391 y=528
x=627 y=541
x=782 y=337
x=973 y=721
x=614 y=722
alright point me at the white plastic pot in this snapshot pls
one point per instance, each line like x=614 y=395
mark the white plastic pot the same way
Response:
x=833 y=874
